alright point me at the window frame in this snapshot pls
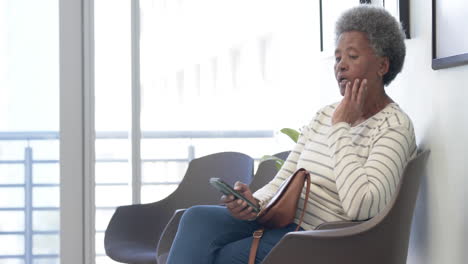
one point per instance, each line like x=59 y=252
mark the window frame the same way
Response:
x=76 y=130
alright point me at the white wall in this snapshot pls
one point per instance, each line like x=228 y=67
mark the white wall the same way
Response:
x=436 y=102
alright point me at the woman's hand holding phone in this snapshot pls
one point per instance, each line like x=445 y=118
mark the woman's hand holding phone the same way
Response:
x=239 y=208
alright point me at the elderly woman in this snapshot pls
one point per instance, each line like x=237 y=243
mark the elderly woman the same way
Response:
x=355 y=151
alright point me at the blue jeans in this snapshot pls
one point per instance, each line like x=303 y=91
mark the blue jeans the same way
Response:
x=209 y=234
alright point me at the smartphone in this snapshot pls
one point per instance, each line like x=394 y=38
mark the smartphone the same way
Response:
x=227 y=190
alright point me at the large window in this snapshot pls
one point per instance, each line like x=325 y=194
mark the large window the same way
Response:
x=29 y=138
x=176 y=80
x=112 y=93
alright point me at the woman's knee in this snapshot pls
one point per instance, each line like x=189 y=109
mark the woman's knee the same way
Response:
x=202 y=214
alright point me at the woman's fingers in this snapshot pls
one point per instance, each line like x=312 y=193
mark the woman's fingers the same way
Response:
x=241 y=187
x=235 y=206
x=241 y=210
x=246 y=213
x=244 y=189
x=238 y=207
x=350 y=108
x=362 y=92
x=347 y=95
x=355 y=90
x=227 y=198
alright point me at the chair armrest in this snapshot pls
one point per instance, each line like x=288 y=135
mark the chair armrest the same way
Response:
x=325 y=246
x=305 y=247
x=167 y=236
x=128 y=222
x=337 y=224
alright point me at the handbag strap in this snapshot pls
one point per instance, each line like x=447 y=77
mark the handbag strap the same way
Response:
x=259 y=233
x=255 y=242
x=305 y=201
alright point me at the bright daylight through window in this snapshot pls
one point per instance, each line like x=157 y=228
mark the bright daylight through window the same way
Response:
x=29 y=138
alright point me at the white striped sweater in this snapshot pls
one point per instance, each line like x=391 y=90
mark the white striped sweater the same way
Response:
x=354 y=170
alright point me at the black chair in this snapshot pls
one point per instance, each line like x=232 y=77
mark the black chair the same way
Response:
x=134 y=230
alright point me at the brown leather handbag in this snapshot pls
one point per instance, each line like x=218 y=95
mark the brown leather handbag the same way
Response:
x=281 y=209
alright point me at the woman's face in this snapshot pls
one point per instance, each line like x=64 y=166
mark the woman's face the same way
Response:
x=355 y=58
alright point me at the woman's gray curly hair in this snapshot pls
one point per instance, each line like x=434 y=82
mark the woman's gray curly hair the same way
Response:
x=385 y=34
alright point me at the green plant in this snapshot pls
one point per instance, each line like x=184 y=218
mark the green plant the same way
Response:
x=292 y=134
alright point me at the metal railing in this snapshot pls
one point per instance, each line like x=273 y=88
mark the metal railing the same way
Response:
x=28 y=162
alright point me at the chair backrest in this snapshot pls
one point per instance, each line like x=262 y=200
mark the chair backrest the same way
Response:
x=382 y=239
x=195 y=189
x=393 y=224
x=266 y=171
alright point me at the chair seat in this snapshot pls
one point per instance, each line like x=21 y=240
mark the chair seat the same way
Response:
x=130 y=252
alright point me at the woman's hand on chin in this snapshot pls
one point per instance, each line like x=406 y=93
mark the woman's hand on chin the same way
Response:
x=351 y=107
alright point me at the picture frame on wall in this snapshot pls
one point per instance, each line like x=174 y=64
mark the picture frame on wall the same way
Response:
x=331 y=10
x=399 y=9
x=449 y=34
x=329 y=13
